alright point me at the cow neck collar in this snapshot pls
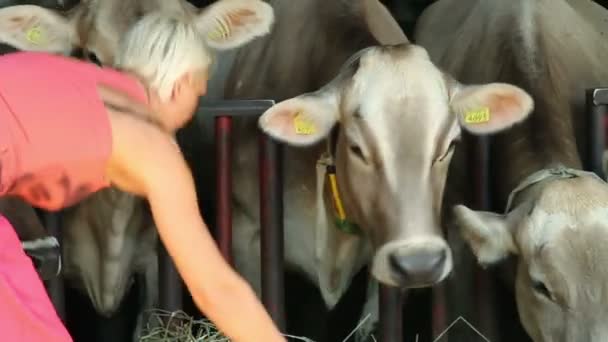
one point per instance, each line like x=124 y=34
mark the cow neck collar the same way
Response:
x=545 y=175
x=328 y=161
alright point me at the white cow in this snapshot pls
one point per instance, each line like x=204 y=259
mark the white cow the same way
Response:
x=555 y=217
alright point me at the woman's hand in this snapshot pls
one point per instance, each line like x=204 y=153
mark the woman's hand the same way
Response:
x=146 y=161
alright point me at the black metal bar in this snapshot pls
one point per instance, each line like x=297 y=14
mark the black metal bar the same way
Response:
x=271 y=220
x=223 y=129
x=479 y=164
x=235 y=107
x=480 y=160
x=391 y=314
x=170 y=286
x=596 y=106
x=55 y=286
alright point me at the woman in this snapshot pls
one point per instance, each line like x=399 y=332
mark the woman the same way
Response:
x=69 y=128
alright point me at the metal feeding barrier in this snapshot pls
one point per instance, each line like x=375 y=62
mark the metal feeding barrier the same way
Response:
x=270 y=170
x=271 y=222
x=271 y=197
x=271 y=213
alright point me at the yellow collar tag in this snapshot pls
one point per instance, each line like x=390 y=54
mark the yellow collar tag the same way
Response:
x=303 y=126
x=477 y=116
x=34 y=35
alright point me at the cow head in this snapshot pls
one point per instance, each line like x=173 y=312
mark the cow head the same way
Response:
x=399 y=119
x=558 y=230
x=107 y=239
x=98 y=25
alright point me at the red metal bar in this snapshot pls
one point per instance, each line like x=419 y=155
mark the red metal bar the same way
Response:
x=439 y=322
x=223 y=131
x=391 y=314
x=271 y=221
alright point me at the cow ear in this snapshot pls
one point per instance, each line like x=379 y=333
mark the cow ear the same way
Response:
x=302 y=120
x=489 y=108
x=34 y=28
x=489 y=235
x=228 y=24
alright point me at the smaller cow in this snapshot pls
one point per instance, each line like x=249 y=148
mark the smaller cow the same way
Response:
x=556 y=217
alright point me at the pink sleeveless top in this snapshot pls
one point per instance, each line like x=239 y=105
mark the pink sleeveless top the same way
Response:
x=55 y=135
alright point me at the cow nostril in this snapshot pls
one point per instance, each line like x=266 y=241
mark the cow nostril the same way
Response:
x=420 y=268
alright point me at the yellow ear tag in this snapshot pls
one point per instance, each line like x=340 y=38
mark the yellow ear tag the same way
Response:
x=34 y=35
x=221 y=30
x=303 y=126
x=477 y=116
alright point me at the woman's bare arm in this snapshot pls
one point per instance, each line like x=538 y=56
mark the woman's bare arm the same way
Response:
x=146 y=161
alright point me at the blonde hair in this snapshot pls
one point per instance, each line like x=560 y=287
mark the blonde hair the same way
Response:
x=160 y=48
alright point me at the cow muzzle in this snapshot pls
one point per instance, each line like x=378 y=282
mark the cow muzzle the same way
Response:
x=413 y=263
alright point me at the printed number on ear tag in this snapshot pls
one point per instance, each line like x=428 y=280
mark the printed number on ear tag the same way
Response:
x=34 y=35
x=303 y=126
x=477 y=116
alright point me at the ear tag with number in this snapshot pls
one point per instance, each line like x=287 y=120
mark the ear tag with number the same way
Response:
x=477 y=116
x=221 y=30
x=35 y=35
x=303 y=126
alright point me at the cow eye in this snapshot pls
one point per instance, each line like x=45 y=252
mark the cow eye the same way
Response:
x=91 y=56
x=540 y=288
x=356 y=150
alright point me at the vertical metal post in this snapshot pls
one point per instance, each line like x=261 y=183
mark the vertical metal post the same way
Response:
x=170 y=289
x=271 y=197
x=439 y=319
x=480 y=162
x=223 y=130
x=596 y=106
x=391 y=314
x=271 y=217
x=55 y=286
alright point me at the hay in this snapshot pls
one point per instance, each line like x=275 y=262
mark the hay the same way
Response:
x=177 y=326
x=165 y=326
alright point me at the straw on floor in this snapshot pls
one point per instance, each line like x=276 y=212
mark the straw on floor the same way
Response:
x=177 y=326
x=166 y=326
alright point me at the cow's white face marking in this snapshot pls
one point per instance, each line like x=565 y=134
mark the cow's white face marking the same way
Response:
x=398 y=130
x=389 y=94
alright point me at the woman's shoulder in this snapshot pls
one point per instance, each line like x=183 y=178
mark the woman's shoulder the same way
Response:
x=139 y=148
x=38 y=57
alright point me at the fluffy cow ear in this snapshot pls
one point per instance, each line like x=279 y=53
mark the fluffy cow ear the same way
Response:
x=489 y=235
x=34 y=28
x=231 y=23
x=302 y=120
x=489 y=108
